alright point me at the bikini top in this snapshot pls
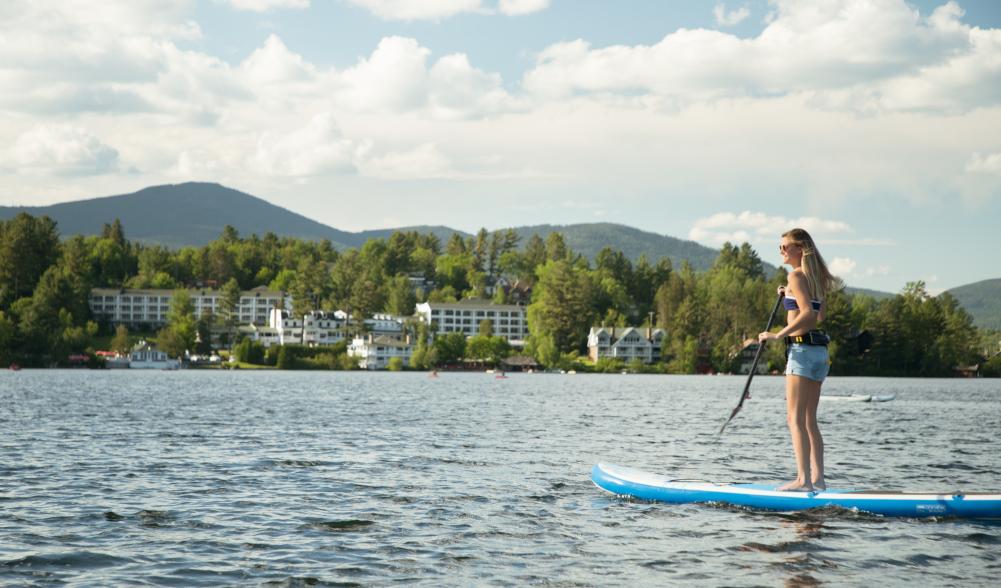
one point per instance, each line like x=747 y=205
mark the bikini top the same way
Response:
x=790 y=304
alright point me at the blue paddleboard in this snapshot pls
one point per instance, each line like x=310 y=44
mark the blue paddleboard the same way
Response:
x=639 y=484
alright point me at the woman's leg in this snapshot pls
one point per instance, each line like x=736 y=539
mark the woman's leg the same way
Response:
x=797 y=401
x=811 y=391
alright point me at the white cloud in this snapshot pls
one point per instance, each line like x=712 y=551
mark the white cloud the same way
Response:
x=852 y=55
x=458 y=90
x=424 y=162
x=64 y=150
x=265 y=5
x=521 y=7
x=879 y=270
x=984 y=164
x=756 y=227
x=317 y=148
x=394 y=77
x=725 y=18
x=274 y=63
x=842 y=266
x=418 y=9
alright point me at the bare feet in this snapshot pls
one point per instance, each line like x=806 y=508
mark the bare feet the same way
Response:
x=796 y=486
x=820 y=485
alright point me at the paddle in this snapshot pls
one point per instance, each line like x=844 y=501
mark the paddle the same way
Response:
x=754 y=367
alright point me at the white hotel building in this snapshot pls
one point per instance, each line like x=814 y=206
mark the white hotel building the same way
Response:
x=509 y=320
x=135 y=308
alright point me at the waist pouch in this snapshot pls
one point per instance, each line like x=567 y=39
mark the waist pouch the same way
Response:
x=811 y=338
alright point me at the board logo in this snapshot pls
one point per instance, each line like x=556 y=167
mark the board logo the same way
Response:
x=930 y=508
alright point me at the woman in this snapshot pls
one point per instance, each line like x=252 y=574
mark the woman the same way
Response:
x=807 y=365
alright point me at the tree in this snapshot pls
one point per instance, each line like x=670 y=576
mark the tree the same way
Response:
x=28 y=247
x=120 y=343
x=450 y=347
x=562 y=305
x=229 y=304
x=487 y=328
x=395 y=364
x=401 y=300
x=179 y=334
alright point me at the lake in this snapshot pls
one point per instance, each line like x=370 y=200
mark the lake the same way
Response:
x=204 y=478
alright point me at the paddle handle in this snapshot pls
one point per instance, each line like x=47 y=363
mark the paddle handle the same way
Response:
x=754 y=366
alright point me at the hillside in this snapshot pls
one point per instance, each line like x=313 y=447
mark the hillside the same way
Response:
x=192 y=213
x=983 y=301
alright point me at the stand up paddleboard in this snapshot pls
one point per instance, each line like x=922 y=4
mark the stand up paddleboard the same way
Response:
x=632 y=482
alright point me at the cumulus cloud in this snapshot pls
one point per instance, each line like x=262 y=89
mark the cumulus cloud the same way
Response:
x=418 y=9
x=985 y=164
x=847 y=54
x=520 y=7
x=265 y=5
x=394 y=77
x=64 y=150
x=317 y=148
x=757 y=226
x=730 y=18
x=424 y=162
x=842 y=266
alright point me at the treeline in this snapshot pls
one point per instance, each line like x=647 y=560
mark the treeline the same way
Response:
x=44 y=284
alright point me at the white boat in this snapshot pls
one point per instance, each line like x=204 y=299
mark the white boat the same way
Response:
x=846 y=397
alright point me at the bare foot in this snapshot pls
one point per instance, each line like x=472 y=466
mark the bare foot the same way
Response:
x=796 y=486
x=820 y=485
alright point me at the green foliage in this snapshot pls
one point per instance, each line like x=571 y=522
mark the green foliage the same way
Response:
x=395 y=364
x=486 y=348
x=249 y=351
x=121 y=342
x=449 y=348
x=44 y=286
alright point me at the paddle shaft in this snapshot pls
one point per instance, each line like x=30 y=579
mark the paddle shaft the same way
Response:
x=754 y=366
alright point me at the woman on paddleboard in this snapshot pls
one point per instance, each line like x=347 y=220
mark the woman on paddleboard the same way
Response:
x=807 y=288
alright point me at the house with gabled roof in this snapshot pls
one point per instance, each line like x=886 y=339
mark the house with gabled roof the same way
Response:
x=625 y=343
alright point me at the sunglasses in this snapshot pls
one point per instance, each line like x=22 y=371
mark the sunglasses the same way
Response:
x=783 y=247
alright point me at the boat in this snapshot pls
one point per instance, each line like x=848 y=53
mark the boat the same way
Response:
x=14 y=367
x=625 y=481
x=846 y=397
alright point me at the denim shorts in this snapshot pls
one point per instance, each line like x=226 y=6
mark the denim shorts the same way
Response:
x=809 y=361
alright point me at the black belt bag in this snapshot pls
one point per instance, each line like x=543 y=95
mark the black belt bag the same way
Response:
x=811 y=338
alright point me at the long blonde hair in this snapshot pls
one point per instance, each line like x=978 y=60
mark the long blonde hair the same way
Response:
x=819 y=279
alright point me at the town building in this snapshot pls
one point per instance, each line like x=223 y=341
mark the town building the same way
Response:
x=625 y=343
x=148 y=308
x=508 y=320
x=374 y=351
x=145 y=356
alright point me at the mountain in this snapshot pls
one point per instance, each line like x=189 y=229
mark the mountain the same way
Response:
x=983 y=301
x=195 y=213
x=183 y=214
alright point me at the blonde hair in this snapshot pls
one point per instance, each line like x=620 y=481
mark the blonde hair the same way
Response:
x=819 y=279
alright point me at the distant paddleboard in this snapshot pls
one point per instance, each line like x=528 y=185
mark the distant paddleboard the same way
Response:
x=639 y=484
x=846 y=397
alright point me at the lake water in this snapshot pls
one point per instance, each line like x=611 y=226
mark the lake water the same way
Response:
x=195 y=478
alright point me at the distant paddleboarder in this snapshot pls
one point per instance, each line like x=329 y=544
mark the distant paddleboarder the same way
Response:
x=807 y=364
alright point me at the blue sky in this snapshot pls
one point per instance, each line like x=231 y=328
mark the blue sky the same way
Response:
x=873 y=123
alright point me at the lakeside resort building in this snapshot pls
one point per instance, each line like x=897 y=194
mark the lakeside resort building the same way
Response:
x=373 y=352
x=625 y=343
x=148 y=308
x=509 y=320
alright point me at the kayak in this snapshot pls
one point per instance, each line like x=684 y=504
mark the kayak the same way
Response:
x=626 y=481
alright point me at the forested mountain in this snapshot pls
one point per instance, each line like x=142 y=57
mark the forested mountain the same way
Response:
x=192 y=213
x=983 y=301
x=195 y=213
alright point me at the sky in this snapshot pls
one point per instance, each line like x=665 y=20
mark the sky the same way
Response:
x=874 y=124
